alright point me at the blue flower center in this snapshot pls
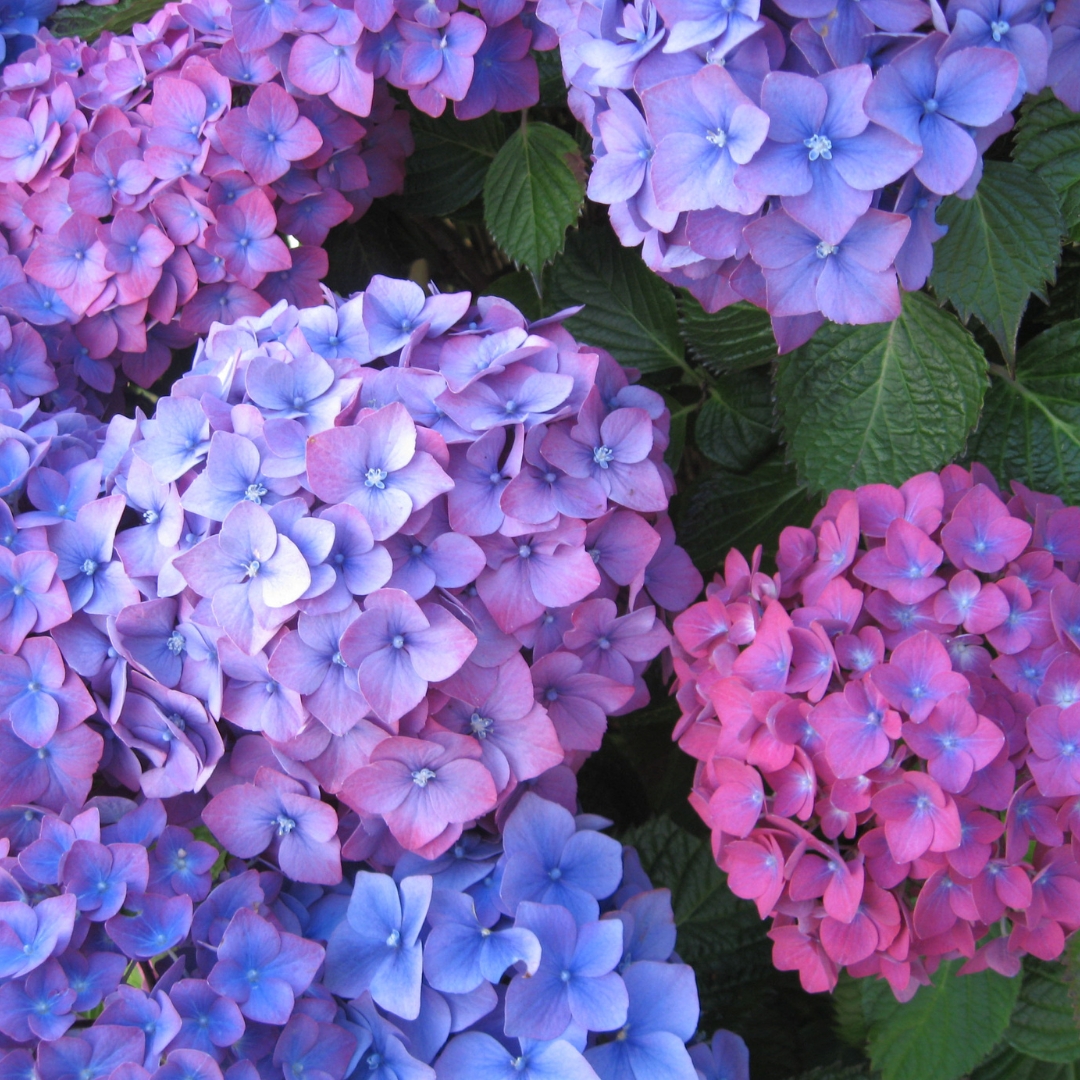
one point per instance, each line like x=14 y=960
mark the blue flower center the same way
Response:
x=285 y=825
x=999 y=29
x=603 y=455
x=375 y=478
x=421 y=777
x=718 y=137
x=825 y=249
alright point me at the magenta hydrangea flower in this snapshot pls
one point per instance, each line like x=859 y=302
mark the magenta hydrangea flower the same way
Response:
x=910 y=774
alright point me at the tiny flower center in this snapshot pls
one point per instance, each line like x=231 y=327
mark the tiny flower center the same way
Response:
x=285 y=825
x=602 y=455
x=175 y=643
x=255 y=492
x=421 y=777
x=89 y=567
x=481 y=725
x=718 y=137
x=999 y=29
x=820 y=146
x=398 y=641
x=375 y=478
x=825 y=249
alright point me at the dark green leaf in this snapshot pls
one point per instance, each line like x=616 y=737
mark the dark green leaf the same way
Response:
x=680 y=417
x=836 y=1072
x=1030 y=428
x=1047 y=141
x=946 y=1029
x=1002 y=245
x=1009 y=1064
x=858 y=1002
x=520 y=290
x=738 y=337
x=720 y=936
x=628 y=310
x=738 y=510
x=533 y=193
x=88 y=23
x=552 y=85
x=735 y=425
x=874 y=404
x=1044 y=1022
x=452 y=157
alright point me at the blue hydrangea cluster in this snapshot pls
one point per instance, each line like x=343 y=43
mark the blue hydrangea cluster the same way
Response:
x=131 y=949
x=793 y=153
x=19 y=22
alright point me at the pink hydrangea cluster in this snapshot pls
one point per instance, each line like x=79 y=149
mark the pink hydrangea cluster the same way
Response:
x=189 y=172
x=374 y=568
x=794 y=154
x=888 y=730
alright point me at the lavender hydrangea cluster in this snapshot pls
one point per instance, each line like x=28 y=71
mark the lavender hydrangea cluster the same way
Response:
x=131 y=949
x=794 y=154
x=403 y=551
x=188 y=173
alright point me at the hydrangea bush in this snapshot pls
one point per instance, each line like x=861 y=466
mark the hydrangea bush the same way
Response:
x=413 y=545
x=372 y=573
x=794 y=155
x=189 y=172
x=886 y=730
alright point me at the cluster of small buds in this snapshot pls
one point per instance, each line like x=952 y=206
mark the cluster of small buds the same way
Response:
x=888 y=730
x=402 y=551
x=130 y=949
x=794 y=155
x=189 y=172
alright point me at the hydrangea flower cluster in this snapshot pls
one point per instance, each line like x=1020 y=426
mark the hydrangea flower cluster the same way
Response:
x=794 y=155
x=888 y=730
x=407 y=551
x=188 y=173
x=129 y=949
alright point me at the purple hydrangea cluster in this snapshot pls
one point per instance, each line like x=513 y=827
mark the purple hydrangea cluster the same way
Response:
x=188 y=173
x=404 y=551
x=131 y=949
x=794 y=154
x=888 y=730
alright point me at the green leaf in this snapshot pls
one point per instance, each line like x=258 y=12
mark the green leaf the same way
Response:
x=738 y=510
x=1030 y=428
x=735 y=425
x=736 y=338
x=1047 y=141
x=1044 y=1022
x=520 y=289
x=1002 y=245
x=452 y=157
x=680 y=416
x=533 y=193
x=88 y=23
x=1009 y=1064
x=628 y=310
x=719 y=935
x=836 y=1072
x=946 y=1029
x=869 y=404
x=857 y=1003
